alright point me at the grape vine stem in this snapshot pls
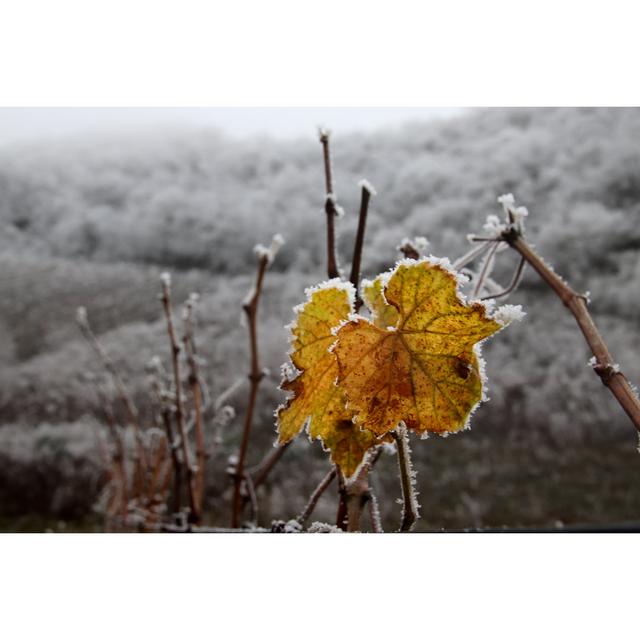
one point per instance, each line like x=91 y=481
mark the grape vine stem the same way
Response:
x=604 y=366
x=256 y=374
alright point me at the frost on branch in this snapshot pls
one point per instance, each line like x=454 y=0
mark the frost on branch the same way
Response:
x=269 y=252
x=367 y=186
x=323 y=133
x=337 y=209
x=413 y=247
x=81 y=316
x=493 y=226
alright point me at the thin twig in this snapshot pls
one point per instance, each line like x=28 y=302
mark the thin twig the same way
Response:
x=487 y=266
x=410 y=511
x=109 y=365
x=261 y=471
x=195 y=384
x=114 y=431
x=179 y=404
x=175 y=461
x=119 y=455
x=470 y=256
x=256 y=374
x=605 y=367
x=341 y=516
x=220 y=401
x=315 y=496
x=329 y=207
x=365 y=196
x=513 y=285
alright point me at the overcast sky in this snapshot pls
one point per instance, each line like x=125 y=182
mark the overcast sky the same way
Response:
x=32 y=124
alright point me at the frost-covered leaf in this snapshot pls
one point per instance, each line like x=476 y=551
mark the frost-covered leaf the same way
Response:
x=384 y=315
x=425 y=369
x=316 y=400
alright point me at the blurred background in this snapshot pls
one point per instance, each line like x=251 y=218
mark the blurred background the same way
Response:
x=96 y=203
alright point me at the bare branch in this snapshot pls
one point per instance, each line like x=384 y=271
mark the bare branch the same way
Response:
x=315 y=496
x=109 y=365
x=470 y=256
x=487 y=267
x=250 y=308
x=605 y=367
x=179 y=403
x=261 y=471
x=366 y=192
x=195 y=385
x=329 y=207
x=513 y=285
x=177 y=467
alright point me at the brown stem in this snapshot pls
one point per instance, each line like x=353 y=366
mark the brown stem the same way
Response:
x=470 y=256
x=179 y=403
x=357 y=492
x=324 y=135
x=515 y=281
x=261 y=471
x=365 y=197
x=158 y=470
x=341 y=516
x=119 y=455
x=487 y=266
x=177 y=467
x=250 y=308
x=605 y=366
x=330 y=208
x=410 y=511
x=315 y=496
x=357 y=495
x=353 y=495
x=196 y=392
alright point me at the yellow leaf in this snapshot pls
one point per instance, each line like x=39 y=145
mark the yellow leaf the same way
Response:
x=424 y=370
x=384 y=315
x=316 y=400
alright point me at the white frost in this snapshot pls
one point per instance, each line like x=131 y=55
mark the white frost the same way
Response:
x=507 y=200
x=508 y=313
x=292 y=526
x=269 y=252
x=493 y=226
x=323 y=527
x=81 y=316
x=367 y=186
